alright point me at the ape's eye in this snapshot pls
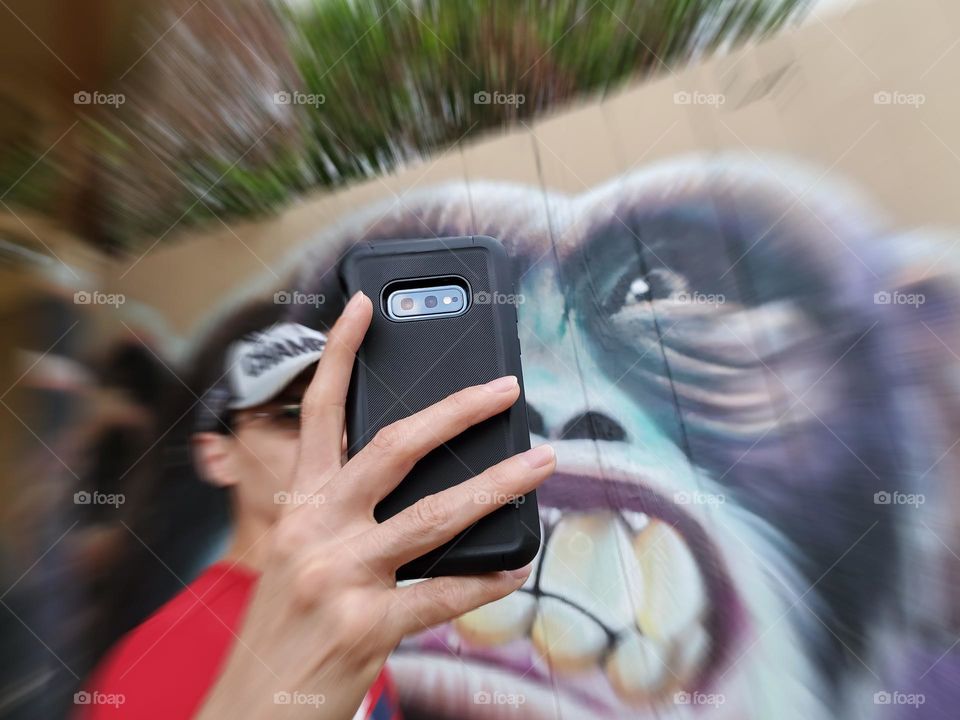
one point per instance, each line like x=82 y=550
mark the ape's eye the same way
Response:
x=639 y=290
x=634 y=287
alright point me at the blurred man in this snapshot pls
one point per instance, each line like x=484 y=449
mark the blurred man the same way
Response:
x=246 y=441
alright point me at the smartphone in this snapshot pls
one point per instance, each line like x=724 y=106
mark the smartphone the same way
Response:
x=444 y=318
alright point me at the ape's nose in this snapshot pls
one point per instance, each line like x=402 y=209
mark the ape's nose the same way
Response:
x=535 y=421
x=593 y=426
x=588 y=425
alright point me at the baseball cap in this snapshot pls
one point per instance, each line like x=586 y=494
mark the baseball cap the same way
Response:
x=258 y=366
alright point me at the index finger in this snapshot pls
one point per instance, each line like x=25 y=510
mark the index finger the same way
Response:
x=322 y=412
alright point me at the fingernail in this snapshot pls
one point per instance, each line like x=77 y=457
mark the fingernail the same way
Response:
x=538 y=456
x=354 y=302
x=502 y=384
x=522 y=572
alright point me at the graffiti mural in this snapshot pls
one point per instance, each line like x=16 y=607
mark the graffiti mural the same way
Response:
x=741 y=389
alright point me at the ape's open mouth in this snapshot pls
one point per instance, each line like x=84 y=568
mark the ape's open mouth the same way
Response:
x=625 y=608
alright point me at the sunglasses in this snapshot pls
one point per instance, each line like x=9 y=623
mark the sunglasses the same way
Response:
x=286 y=415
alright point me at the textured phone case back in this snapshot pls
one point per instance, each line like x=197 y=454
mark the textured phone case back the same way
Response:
x=404 y=367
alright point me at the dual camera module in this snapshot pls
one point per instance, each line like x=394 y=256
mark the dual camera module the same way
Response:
x=414 y=303
x=430 y=301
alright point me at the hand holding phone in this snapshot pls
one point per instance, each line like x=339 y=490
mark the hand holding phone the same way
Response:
x=327 y=612
x=444 y=318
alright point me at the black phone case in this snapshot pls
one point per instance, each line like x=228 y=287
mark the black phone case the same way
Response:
x=403 y=367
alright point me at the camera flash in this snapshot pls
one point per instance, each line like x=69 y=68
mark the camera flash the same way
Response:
x=447 y=300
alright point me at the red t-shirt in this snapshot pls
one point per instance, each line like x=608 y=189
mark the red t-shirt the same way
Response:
x=164 y=668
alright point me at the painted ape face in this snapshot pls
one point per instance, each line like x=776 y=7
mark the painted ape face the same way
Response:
x=705 y=355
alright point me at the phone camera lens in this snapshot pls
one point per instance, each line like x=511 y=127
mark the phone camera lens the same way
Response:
x=431 y=301
x=407 y=303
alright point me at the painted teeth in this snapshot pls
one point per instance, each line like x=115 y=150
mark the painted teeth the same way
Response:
x=586 y=561
x=637 y=667
x=604 y=575
x=690 y=651
x=674 y=596
x=565 y=637
x=498 y=622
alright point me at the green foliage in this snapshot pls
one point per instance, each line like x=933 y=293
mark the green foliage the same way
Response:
x=400 y=76
x=399 y=80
